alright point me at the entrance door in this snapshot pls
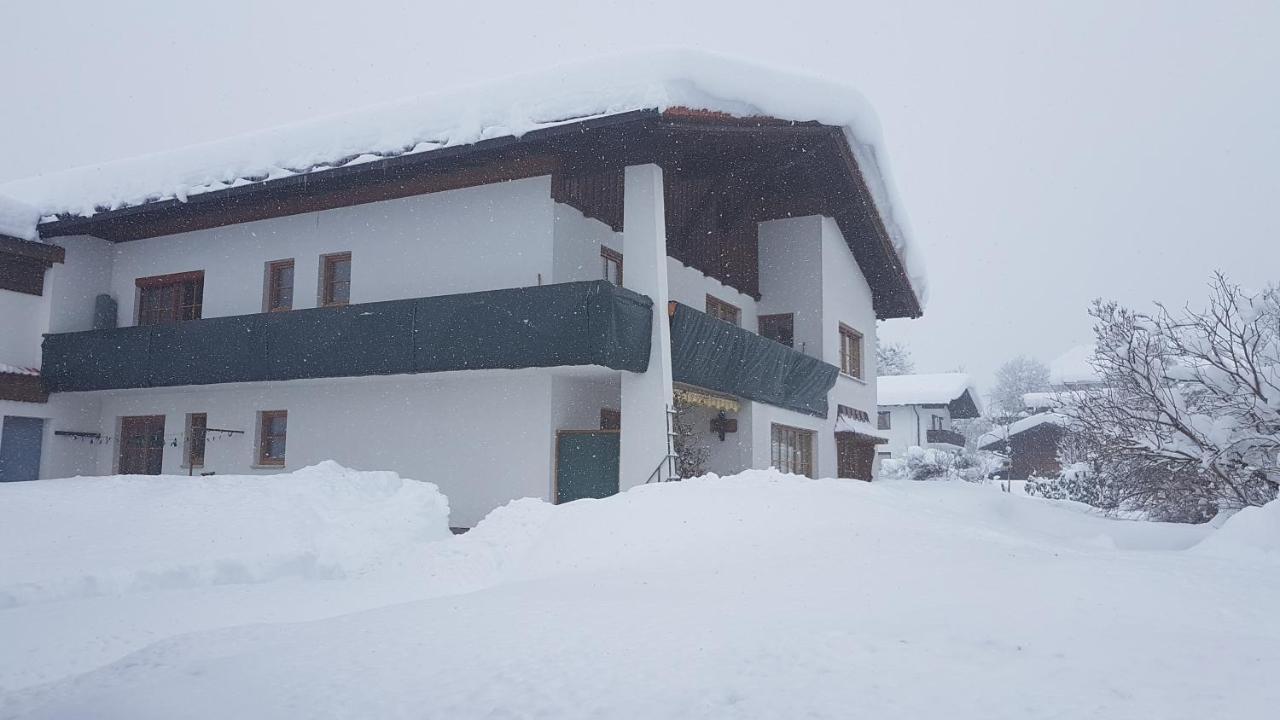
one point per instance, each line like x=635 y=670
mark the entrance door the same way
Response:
x=20 y=441
x=854 y=456
x=141 y=445
x=586 y=464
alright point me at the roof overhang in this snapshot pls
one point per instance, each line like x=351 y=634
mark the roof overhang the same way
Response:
x=802 y=168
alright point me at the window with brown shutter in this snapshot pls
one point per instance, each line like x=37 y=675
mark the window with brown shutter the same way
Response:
x=193 y=451
x=272 y=428
x=779 y=328
x=850 y=351
x=279 y=286
x=611 y=260
x=164 y=299
x=335 y=280
x=722 y=310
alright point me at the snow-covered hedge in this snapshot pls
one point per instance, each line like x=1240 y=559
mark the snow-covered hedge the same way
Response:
x=919 y=463
x=104 y=536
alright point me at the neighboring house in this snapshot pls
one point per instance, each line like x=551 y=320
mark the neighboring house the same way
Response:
x=500 y=291
x=1030 y=444
x=918 y=410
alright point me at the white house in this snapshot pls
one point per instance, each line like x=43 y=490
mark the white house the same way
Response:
x=918 y=410
x=501 y=290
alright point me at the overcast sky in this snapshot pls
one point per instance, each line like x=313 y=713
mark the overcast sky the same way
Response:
x=1047 y=153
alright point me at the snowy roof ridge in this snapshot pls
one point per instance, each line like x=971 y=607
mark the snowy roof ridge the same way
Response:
x=1074 y=366
x=507 y=107
x=924 y=389
x=1020 y=426
x=18 y=219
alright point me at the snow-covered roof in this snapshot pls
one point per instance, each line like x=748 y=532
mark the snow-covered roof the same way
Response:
x=998 y=434
x=18 y=219
x=844 y=423
x=1073 y=367
x=507 y=107
x=1042 y=399
x=932 y=389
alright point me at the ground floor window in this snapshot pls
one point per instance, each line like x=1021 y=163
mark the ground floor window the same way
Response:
x=272 y=426
x=141 y=445
x=792 y=450
x=197 y=425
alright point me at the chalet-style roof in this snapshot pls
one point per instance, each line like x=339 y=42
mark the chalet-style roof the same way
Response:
x=1074 y=367
x=654 y=107
x=955 y=390
x=995 y=437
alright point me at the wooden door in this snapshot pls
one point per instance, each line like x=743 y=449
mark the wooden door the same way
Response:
x=854 y=457
x=141 y=445
x=586 y=464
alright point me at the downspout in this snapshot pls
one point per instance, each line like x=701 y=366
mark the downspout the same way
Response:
x=916 y=409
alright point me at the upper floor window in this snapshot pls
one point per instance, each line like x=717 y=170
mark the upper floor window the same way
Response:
x=779 y=328
x=935 y=422
x=170 y=298
x=335 y=279
x=722 y=310
x=272 y=427
x=850 y=351
x=279 y=286
x=883 y=420
x=611 y=260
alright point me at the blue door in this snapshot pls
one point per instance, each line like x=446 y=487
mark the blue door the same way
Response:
x=20 y=440
x=586 y=464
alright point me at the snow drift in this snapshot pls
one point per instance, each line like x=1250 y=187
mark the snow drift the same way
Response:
x=1252 y=530
x=62 y=539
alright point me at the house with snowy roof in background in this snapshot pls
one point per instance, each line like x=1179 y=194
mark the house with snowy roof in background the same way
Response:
x=1031 y=442
x=918 y=410
x=505 y=289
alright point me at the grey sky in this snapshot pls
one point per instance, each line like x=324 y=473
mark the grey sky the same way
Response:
x=1047 y=153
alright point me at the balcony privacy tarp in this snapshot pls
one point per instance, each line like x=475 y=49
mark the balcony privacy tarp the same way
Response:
x=720 y=356
x=581 y=323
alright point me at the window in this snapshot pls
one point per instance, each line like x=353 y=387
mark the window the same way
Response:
x=279 y=286
x=935 y=422
x=722 y=310
x=850 y=351
x=611 y=260
x=610 y=419
x=335 y=279
x=272 y=425
x=193 y=451
x=792 y=450
x=141 y=445
x=882 y=420
x=167 y=299
x=779 y=328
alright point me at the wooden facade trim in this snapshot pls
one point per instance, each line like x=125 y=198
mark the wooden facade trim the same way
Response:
x=22 y=387
x=23 y=264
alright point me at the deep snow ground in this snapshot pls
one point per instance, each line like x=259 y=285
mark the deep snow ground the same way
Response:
x=753 y=596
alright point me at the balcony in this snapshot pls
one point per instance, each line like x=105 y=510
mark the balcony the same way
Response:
x=581 y=323
x=945 y=437
x=723 y=357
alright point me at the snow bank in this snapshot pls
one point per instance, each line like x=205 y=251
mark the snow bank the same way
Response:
x=18 y=219
x=1252 y=530
x=938 y=388
x=511 y=106
x=753 y=596
x=80 y=537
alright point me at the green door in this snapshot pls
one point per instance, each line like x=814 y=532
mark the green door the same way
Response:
x=586 y=464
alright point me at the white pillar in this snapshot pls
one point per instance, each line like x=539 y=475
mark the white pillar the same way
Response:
x=645 y=396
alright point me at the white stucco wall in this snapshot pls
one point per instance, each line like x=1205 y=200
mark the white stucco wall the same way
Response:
x=62 y=456
x=482 y=436
x=480 y=238
x=22 y=320
x=74 y=285
x=908 y=425
x=791 y=277
x=846 y=298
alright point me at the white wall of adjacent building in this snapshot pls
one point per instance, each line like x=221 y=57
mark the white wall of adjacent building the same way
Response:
x=909 y=425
